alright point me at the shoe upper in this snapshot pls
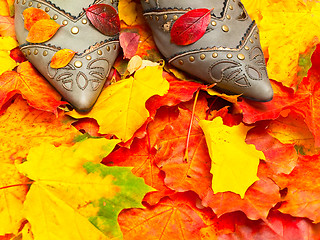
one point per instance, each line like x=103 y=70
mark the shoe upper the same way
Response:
x=229 y=53
x=82 y=80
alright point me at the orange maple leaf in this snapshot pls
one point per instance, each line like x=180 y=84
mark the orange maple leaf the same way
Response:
x=88 y=125
x=292 y=129
x=7 y=27
x=32 y=86
x=309 y=97
x=142 y=159
x=23 y=127
x=277 y=226
x=302 y=198
x=173 y=218
x=280 y=157
x=182 y=175
x=179 y=91
x=259 y=199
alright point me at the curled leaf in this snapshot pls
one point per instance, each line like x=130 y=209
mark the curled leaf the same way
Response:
x=33 y=15
x=105 y=18
x=61 y=58
x=17 y=55
x=134 y=64
x=190 y=27
x=42 y=31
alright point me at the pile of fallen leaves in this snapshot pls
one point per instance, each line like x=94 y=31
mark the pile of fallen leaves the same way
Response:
x=163 y=158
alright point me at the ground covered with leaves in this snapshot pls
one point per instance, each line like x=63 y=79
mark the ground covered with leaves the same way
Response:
x=163 y=158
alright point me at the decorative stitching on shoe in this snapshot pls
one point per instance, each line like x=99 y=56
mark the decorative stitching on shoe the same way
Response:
x=253 y=54
x=224 y=8
x=230 y=65
x=66 y=80
x=166 y=27
x=94 y=61
x=65 y=12
x=86 y=51
x=259 y=75
x=158 y=9
x=229 y=73
x=173 y=10
x=40 y=45
x=250 y=29
x=244 y=15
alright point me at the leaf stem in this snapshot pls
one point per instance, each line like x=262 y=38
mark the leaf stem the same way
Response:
x=16 y=185
x=186 y=155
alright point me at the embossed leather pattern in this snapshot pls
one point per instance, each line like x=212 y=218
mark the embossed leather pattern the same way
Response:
x=82 y=80
x=229 y=54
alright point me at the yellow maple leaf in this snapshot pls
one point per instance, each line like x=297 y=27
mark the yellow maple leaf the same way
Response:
x=11 y=7
x=25 y=233
x=255 y=8
x=120 y=109
x=4 y=8
x=287 y=29
x=58 y=202
x=7 y=43
x=6 y=62
x=22 y=128
x=55 y=219
x=130 y=12
x=234 y=163
x=10 y=2
x=12 y=195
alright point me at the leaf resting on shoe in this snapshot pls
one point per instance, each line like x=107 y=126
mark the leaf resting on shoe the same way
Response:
x=190 y=27
x=105 y=18
x=33 y=15
x=61 y=58
x=42 y=31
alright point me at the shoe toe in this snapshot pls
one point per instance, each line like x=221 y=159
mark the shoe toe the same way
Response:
x=82 y=80
x=239 y=70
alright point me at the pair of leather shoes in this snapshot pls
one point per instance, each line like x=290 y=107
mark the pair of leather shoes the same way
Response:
x=228 y=54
